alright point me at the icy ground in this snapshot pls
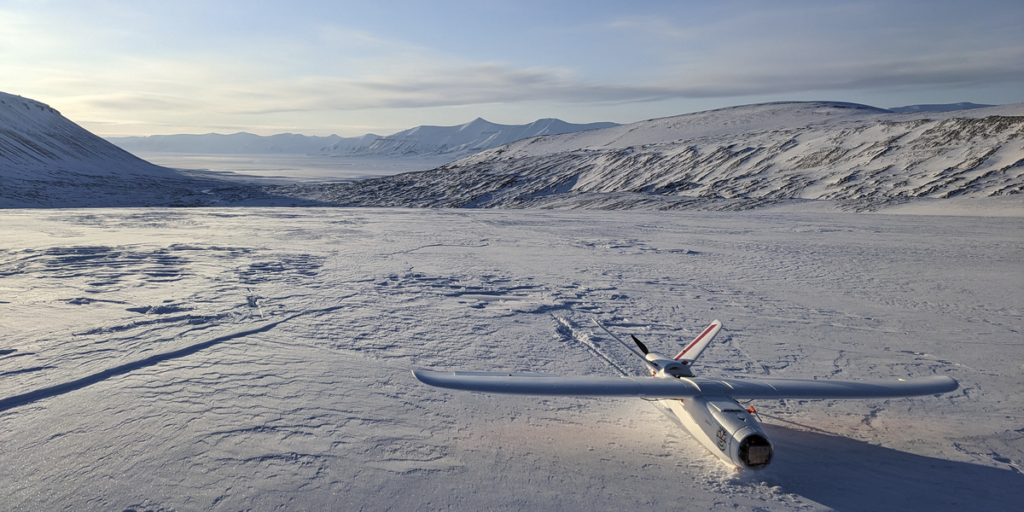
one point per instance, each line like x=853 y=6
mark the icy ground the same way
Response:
x=231 y=359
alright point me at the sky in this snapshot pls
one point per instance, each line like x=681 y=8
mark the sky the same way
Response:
x=315 y=67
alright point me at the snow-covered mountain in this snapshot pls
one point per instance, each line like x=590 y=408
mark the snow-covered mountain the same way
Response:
x=455 y=141
x=237 y=143
x=47 y=160
x=940 y=107
x=853 y=156
x=38 y=141
x=741 y=157
x=461 y=140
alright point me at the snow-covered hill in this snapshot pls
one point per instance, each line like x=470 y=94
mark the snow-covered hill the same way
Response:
x=454 y=141
x=47 y=160
x=734 y=158
x=36 y=139
x=853 y=156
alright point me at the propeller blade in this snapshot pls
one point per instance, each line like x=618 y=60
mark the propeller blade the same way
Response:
x=641 y=345
x=651 y=364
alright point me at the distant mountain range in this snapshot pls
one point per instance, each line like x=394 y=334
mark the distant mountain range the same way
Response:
x=454 y=141
x=944 y=107
x=421 y=141
x=854 y=156
x=236 y=143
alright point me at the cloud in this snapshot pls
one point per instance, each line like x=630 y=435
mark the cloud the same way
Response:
x=492 y=83
x=300 y=68
x=207 y=93
x=451 y=86
x=948 y=70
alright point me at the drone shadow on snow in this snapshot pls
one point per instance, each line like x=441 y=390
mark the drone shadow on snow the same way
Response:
x=850 y=475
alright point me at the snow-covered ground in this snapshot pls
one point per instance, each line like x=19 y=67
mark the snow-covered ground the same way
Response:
x=229 y=359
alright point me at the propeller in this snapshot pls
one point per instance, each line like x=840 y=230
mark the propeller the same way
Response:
x=641 y=345
x=654 y=366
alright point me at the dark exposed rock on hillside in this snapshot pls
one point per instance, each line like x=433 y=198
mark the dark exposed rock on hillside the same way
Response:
x=742 y=157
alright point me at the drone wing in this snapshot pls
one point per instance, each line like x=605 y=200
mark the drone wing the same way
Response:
x=649 y=387
x=825 y=389
x=553 y=385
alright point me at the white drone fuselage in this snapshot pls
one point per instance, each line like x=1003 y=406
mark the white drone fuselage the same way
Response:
x=719 y=423
x=706 y=408
x=727 y=429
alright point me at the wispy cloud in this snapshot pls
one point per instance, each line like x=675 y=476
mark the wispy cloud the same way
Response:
x=127 y=66
x=446 y=85
x=200 y=92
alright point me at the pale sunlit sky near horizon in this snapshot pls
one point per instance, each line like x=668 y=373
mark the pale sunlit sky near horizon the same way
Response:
x=316 y=67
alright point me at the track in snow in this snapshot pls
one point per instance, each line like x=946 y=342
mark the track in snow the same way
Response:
x=320 y=411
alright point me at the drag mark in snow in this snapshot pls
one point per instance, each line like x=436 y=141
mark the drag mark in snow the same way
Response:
x=839 y=369
x=66 y=387
x=566 y=329
x=428 y=246
x=868 y=418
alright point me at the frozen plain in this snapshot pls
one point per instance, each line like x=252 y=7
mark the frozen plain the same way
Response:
x=231 y=359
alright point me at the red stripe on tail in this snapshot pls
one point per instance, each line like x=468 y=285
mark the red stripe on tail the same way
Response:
x=694 y=342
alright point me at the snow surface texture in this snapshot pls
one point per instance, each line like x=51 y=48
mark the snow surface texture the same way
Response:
x=231 y=359
x=857 y=157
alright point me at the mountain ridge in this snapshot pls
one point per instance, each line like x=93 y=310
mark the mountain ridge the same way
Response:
x=939 y=107
x=425 y=140
x=35 y=137
x=862 y=158
x=858 y=157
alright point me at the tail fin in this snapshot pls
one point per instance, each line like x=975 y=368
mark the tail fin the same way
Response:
x=693 y=350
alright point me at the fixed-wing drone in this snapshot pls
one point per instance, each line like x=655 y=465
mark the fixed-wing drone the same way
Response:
x=707 y=408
